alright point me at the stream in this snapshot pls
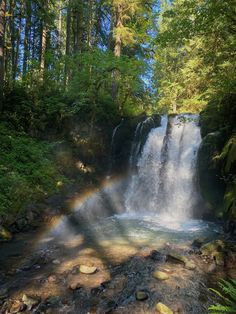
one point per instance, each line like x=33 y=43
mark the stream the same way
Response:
x=123 y=232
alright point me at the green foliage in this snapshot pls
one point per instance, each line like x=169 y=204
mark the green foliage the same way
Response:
x=27 y=170
x=227 y=294
x=89 y=90
x=194 y=59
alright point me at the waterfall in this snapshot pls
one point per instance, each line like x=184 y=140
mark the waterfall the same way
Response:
x=137 y=143
x=164 y=183
x=112 y=147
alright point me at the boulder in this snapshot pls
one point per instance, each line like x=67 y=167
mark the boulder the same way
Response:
x=212 y=248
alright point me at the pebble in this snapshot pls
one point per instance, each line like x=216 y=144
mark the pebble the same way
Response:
x=160 y=275
x=163 y=309
x=141 y=295
x=87 y=269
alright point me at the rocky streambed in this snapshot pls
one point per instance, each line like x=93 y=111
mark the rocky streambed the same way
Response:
x=41 y=273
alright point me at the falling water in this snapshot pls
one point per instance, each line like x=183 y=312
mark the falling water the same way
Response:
x=165 y=180
x=112 y=147
x=155 y=205
x=137 y=143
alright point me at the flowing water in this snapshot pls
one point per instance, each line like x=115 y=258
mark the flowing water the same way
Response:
x=116 y=228
x=159 y=202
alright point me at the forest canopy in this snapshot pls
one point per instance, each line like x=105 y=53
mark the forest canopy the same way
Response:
x=109 y=57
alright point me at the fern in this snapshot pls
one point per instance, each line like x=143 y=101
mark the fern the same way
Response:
x=228 y=297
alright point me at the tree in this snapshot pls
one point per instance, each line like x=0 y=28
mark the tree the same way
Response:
x=2 y=34
x=194 y=53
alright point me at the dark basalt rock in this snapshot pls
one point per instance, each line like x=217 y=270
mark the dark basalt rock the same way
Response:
x=212 y=187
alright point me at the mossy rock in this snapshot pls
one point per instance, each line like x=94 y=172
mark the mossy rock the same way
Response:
x=176 y=258
x=5 y=235
x=212 y=248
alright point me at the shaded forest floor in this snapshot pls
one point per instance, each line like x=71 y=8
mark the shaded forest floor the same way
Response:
x=40 y=273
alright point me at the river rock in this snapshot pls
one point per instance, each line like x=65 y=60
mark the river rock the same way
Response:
x=141 y=295
x=190 y=265
x=16 y=307
x=219 y=259
x=211 y=248
x=160 y=275
x=176 y=258
x=197 y=243
x=30 y=301
x=88 y=270
x=163 y=309
x=157 y=256
x=5 y=235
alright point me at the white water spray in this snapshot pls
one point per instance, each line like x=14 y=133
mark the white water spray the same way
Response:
x=165 y=180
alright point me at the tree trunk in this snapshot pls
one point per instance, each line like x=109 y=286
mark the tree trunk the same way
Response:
x=12 y=35
x=90 y=23
x=78 y=28
x=44 y=31
x=118 y=42
x=117 y=51
x=27 y=35
x=2 y=32
x=68 y=41
x=18 y=40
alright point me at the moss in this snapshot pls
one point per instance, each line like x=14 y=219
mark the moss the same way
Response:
x=230 y=201
x=212 y=187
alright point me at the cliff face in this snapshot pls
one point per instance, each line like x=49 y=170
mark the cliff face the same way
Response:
x=217 y=158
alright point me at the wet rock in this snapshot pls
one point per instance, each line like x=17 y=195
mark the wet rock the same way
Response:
x=190 y=265
x=56 y=262
x=89 y=270
x=141 y=295
x=16 y=307
x=3 y=293
x=30 y=301
x=211 y=248
x=181 y=259
x=176 y=258
x=219 y=259
x=5 y=235
x=157 y=256
x=197 y=243
x=163 y=309
x=160 y=275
